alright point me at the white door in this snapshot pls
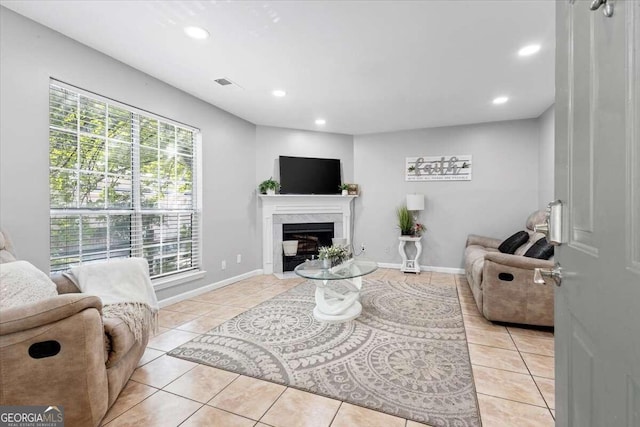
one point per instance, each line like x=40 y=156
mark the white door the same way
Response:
x=597 y=171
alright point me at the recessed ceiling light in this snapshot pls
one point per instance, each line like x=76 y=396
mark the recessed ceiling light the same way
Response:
x=529 y=50
x=500 y=100
x=321 y=122
x=197 y=33
x=279 y=93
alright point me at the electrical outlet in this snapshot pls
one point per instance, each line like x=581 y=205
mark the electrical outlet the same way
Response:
x=223 y=265
x=239 y=258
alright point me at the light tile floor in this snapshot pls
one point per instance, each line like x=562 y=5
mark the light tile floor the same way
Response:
x=513 y=368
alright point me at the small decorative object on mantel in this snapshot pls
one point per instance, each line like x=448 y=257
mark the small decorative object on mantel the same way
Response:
x=333 y=255
x=353 y=189
x=268 y=186
x=438 y=168
x=345 y=189
x=290 y=247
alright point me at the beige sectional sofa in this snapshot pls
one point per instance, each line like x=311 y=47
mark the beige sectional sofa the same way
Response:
x=502 y=284
x=95 y=355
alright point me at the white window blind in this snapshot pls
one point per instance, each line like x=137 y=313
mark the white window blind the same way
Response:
x=123 y=183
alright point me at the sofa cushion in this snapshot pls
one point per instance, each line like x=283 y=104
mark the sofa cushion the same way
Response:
x=538 y=217
x=541 y=249
x=119 y=339
x=476 y=272
x=22 y=283
x=471 y=254
x=513 y=242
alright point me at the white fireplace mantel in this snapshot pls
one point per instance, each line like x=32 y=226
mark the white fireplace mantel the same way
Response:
x=299 y=204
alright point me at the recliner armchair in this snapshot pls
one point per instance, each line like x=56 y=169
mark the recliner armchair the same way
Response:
x=61 y=351
x=503 y=284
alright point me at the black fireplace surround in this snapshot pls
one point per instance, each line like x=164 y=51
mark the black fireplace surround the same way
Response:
x=311 y=237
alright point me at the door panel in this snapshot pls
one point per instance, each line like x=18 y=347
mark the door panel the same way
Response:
x=583 y=95
x=582 y=370
x=597 y=177
x=632 y=150
x=633 y=408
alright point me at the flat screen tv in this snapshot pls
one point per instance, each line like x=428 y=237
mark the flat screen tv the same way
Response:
x=306 y=175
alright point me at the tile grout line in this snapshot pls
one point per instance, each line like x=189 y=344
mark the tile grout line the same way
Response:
x=336 y=414
x=515 y=401
x=271 y=406
x=466 y=336
x=521 y=358
x=499 y=369
x=533 y=379
x=180 y=376
x=137 y=404
x=124 y=412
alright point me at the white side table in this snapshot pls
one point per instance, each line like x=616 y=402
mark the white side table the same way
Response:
x=410 y=265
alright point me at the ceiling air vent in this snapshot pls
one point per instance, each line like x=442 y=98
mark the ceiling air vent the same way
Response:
x=223 y=82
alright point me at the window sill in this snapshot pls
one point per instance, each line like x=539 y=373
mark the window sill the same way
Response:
x=178 y=279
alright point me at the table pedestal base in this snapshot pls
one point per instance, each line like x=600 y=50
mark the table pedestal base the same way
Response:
x=333 y=306
x=349 y=314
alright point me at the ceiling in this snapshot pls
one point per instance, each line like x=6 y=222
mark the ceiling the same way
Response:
x=364 y=66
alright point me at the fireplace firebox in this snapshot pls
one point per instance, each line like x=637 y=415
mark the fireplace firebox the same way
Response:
x=311 y=237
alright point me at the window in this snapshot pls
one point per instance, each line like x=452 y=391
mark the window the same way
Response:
x=123 y=184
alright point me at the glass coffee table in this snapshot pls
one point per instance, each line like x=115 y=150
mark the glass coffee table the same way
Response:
x=332 y=305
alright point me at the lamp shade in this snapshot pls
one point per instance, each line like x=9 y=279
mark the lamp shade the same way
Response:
x=415 y=202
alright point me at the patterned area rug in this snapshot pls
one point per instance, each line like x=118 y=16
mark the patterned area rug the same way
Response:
x=405 y=355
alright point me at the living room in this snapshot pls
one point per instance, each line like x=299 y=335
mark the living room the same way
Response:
x=512 y=148
x=234 y=149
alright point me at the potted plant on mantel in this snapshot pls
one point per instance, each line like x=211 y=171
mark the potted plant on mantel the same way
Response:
x=405 y=221
x=345 y=189
x=268 y=186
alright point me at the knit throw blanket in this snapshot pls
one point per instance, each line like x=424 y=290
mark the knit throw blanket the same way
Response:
x=125 y=289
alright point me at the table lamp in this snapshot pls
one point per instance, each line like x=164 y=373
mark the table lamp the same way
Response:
x=415 y=203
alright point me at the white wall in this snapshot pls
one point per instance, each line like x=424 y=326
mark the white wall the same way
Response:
x=30 y=54
x=546 y=157
x=272 y=142
x=502 y=193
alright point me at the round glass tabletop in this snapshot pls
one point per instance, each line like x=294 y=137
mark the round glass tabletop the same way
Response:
x=354 y=267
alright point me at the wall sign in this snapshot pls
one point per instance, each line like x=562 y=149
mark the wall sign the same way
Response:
x=438 y=168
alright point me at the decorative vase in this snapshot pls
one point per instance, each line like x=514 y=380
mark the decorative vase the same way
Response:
x=271 y=192
x=345 y=192
x=290 y=247
x=332 y=262
x=336 y=261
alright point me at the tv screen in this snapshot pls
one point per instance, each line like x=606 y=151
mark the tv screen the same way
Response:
x=306 y=175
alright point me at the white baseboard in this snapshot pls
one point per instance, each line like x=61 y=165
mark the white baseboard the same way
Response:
x=448 y=270
x=190 y=294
